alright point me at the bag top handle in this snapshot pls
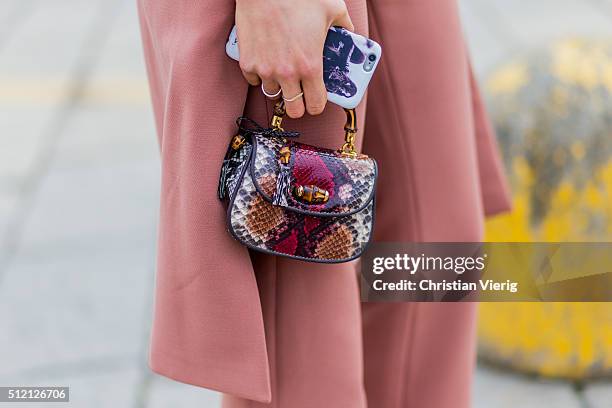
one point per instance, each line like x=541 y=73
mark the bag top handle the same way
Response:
x=350 y=127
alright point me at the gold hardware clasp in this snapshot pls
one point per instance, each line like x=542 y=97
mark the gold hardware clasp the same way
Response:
x=237 y=142
x=277 y=117
x=311 y=194
x=285 y=155
x=348 y=148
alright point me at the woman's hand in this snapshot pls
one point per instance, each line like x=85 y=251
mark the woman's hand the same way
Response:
x=281 y=45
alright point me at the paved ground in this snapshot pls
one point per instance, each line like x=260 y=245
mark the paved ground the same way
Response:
x=79 y=186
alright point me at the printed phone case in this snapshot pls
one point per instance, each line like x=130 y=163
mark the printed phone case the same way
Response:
x=349 y=60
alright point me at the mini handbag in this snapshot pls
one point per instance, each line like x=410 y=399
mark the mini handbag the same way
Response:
x=295 y=200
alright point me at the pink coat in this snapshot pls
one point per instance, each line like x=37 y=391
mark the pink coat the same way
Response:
x=439 y=170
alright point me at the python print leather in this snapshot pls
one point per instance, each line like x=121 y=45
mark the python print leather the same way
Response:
x=337 y=230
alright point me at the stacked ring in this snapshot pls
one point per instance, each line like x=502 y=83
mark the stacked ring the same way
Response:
x=271 y=96
x=296 y=97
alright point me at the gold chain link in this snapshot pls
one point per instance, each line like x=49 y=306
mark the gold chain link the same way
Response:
x=348 y=148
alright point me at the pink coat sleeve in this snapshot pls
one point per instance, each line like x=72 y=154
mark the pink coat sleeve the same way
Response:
x=494 y=188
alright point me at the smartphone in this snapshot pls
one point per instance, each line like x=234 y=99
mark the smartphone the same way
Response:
x=349 y=60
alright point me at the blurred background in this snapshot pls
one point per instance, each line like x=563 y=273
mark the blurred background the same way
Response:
x=79 y=176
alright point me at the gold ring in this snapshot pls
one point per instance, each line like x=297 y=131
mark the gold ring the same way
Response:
x=271 y=96
x=295 y=98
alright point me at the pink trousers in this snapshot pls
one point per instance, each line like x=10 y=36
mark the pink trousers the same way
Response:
x=273 y=332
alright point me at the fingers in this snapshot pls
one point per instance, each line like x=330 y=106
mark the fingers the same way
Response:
x=294 y=106
x=315 y=94
x=342 y=18
x=252 y=78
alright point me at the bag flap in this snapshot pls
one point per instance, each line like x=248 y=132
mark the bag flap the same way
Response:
x=348 y=183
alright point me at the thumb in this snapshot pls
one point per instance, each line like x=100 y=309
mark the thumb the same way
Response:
x=343 y=19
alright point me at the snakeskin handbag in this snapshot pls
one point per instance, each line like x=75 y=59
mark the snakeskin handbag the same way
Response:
x=291 y=199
